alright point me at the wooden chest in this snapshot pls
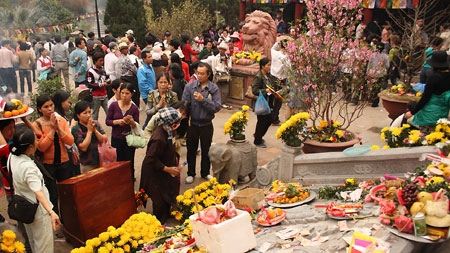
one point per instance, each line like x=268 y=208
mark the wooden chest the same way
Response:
x=91 y=202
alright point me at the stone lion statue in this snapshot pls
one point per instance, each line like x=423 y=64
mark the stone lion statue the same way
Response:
x=259 y=32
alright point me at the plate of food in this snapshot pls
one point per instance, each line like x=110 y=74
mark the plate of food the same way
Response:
x=344 y=211
x=411 y=237
x=309 y=197
x=270 y=217
x=15 y=109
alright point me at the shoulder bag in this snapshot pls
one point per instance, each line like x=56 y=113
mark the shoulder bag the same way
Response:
x=20 y=208
x=136 y=137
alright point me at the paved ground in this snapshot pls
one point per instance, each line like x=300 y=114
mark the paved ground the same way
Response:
x=368 y=127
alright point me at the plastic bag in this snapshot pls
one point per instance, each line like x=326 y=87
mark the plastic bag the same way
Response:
x=261 y=105
x=107 y=154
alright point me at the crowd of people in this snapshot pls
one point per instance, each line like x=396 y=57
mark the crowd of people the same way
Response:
x=179 y=83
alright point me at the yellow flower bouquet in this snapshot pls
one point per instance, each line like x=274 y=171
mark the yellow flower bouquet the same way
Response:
x=9 y=243
x=140 y=228
x=235 y=126
x=253 y=56
x=207 y=194
x=406 y=136
x=293 y=132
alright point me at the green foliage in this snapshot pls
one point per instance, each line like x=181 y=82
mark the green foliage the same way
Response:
x=55 y=11
x=48 y=87
x=122 y=15
x=190 y=17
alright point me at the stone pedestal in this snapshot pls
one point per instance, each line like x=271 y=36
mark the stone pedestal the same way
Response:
x=287 y=161
x=241 y=77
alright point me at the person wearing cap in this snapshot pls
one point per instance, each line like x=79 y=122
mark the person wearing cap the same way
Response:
x=167 y=39
x=205 y=100
x=160 y=175
x=129 y=33
x=435 y=101
x=221 y=63
x=78 y=60
x=237 y=41
x=110 y=61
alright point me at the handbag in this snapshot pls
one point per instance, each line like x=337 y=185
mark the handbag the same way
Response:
x=261 y=105
x=249 y=93
x=106 y=153
x=20 y=208
x=136 y=137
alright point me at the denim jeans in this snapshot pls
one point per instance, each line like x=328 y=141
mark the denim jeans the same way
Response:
x=98 y=102
x=24 y=74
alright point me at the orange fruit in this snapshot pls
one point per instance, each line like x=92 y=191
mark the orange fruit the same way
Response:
x=7 y=114
x=21 y=111
x=271 y=213
x=279 y=211
x=15 y=112
x=25 y=107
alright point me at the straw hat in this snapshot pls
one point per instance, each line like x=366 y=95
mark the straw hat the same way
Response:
x=123 y=45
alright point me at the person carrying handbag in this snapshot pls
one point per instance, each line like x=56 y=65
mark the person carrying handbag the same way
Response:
x=28 y=182
x=259 y=85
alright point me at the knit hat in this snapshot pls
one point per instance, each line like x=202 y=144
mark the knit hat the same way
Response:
x=167 y=117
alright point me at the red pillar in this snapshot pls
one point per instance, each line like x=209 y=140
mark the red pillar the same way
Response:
x=368 y=16
x=241 y=11
x=298 y=12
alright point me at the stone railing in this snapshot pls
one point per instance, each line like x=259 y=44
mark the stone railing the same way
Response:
x=335 y=167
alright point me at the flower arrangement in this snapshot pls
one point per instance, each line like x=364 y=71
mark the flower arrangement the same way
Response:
x=293 y=132
x=347 y=191
x=8 y=243
x=207 y=194
x=325 y=45
x=253 y=55
x=235 y=126
x=130 y=237
x=141 y=198
x=406 y=136
x=403 y=136
x=330 y=131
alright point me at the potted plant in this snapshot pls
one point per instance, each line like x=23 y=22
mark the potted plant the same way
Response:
x=396 y=99
x=235 y=126
x=327 y=66
x=293 y=132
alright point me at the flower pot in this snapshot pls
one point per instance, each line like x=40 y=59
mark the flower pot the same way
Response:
x=238 y=137
x=312 y=146
x=395 y=105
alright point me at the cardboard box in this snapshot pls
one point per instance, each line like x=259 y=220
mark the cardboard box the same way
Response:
x=234 y=235
x=251 y=197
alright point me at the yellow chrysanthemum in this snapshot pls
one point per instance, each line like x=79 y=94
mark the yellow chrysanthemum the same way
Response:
x=435 y=180
x=336 y=124
x=104 y=236
x=323 y=124
x=386 y=147
x=385 y=129
x=396 y=131
x=374 y=147
x=340 y=133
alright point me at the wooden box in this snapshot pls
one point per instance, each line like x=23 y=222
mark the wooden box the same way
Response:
x=91 y=202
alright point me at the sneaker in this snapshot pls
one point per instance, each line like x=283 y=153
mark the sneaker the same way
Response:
x=261 y=145
x=189 y=180
x=208 y=177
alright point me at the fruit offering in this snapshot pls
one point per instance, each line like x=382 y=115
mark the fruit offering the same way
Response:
x=287 y=193
x=14 y=108
x=343 y=210
x=271 y=216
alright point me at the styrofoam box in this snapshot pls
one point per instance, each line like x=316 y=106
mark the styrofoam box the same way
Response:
x=231 y=236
